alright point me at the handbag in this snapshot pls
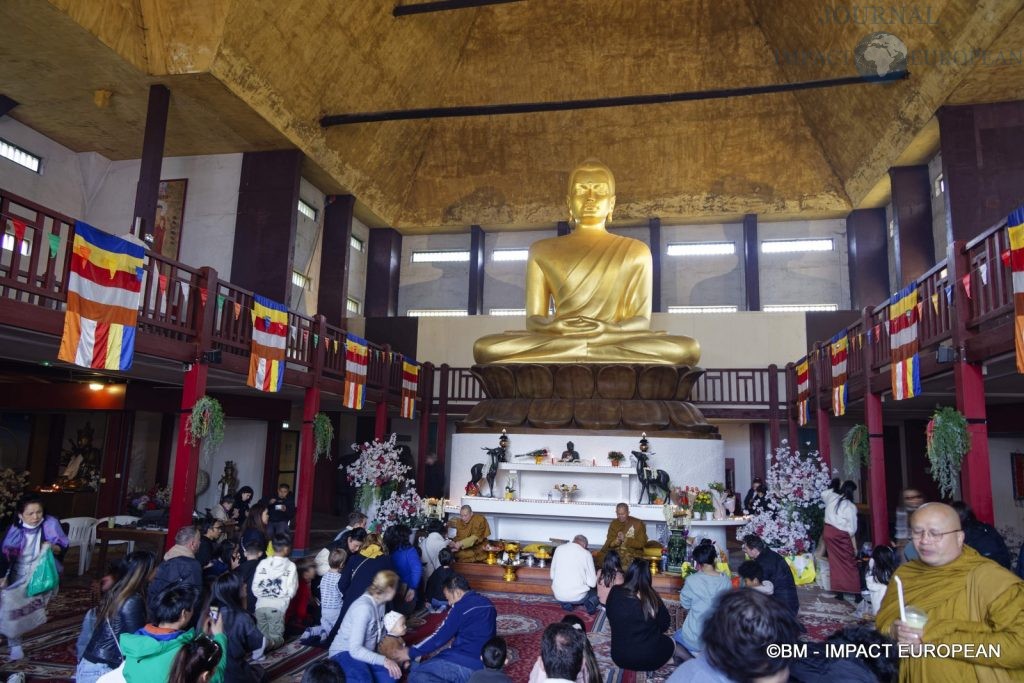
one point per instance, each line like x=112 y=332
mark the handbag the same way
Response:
x=44 y=578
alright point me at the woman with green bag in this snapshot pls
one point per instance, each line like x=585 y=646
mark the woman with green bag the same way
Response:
x=31 y=544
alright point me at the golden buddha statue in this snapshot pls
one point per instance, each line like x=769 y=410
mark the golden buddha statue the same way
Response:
x=600 y=284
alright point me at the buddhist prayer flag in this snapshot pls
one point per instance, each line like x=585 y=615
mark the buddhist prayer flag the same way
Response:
x=1015 y=227
x=410 y=383
x=904 y=345
x=357 y=357
x=839 y=349
x=267 y=360
x=19 y=230
x=803 y=391
x=103 y=300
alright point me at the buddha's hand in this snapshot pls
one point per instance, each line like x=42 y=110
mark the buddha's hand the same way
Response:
x=578 y=326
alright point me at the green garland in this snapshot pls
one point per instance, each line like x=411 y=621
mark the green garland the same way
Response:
x=856 y=449
x=323 y=435
x=205 y=425
x=948 y=443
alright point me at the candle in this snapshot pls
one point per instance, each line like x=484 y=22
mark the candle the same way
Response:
x=899 y=594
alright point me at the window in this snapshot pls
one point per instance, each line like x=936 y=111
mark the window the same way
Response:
x=939 y=185
x=702 y=309
x=798 y=308
x=9 y=244
x=356 y=243
x=307 y=210
x=701 y=248
x=437 y=312
x=299 y=280
x=506 y=311
x=354 y=306
x=19 y=156
x=510 y=255
x=441 y=256
x=796 y=246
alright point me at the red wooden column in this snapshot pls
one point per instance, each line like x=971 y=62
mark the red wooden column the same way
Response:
x=442 y=416
x=186 y=465
x=976 y=477
x=307 y=442
x=876 y=470
x=791 y=423
x=426 y=401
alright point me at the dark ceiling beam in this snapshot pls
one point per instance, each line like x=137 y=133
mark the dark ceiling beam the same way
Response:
x=443 y=6
x=6 y=104
x=601 y=103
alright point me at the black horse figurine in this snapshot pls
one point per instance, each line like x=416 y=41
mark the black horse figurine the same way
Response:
x=497 y=455
x=476 y=473
x=650 y=480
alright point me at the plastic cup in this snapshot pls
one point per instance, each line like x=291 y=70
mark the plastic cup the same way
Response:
x=916 y=617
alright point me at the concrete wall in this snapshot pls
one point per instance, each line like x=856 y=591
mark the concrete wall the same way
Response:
x=805 y=278
x=505 y=281
x=58 y=185
x=307 y=252
x=702 y=280
x=433 y=285
x=940 y=218
x=245 y=443
x=357 y=264
x=1007 y=511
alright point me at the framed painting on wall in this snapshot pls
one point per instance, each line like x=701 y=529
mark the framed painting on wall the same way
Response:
x=170 y=213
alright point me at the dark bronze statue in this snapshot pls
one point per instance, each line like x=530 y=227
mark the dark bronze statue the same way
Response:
x=570 y=454
x=650 y=480
x=497 y=455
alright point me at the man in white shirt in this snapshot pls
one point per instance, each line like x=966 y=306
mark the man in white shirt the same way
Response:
x=573 y=578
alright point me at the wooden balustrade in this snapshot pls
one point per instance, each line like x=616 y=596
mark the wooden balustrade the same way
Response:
x=991 y=279
x=29 y=272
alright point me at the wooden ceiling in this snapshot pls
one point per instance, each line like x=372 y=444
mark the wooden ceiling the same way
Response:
x=258 y=74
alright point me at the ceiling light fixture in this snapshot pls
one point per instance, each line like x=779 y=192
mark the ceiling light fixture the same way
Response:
x=95 y=386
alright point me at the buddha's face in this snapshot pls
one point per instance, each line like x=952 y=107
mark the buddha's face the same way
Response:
x=591 y=196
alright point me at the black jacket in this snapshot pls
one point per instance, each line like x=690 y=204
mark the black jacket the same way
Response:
x=172 y=572
x=247 y=570
x=243 y=639
x=284 y=515
x=988 y=542
x=638 y=643
x=103 y=647
x=778 y=572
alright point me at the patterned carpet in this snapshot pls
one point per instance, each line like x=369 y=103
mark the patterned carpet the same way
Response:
x=50 y=651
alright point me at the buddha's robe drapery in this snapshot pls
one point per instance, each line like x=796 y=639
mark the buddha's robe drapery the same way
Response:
x=472 y=535
x=610 y=281
x=972 y=600
x=634 y=533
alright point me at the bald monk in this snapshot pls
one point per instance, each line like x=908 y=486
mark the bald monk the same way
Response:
x=969 y=600
x=471 y=532
x=601 y=287
x=626 y=535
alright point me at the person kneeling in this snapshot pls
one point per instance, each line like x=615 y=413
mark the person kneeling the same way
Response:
x=573 y=577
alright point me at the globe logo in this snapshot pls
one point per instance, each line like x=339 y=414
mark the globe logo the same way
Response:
x=879 y=55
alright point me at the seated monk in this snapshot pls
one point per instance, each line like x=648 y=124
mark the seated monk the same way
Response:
x=969 y=601
x=601 y=287
x=471 y=532
x=626 y=535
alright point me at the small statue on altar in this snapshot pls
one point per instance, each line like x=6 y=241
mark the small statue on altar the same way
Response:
x=570 y=454
x=476 y=473
x=229 y=481
x=82 y=459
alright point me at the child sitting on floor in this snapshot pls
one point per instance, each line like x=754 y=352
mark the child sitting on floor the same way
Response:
x=392 y=645
x=752 y=576
x=493 y=656
x=434 y=593
x=302 y=610
x=330 y=598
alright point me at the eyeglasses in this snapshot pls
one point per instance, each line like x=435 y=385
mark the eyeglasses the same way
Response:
x=931 y=535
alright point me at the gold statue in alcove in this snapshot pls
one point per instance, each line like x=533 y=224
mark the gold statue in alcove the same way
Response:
x=600 y=285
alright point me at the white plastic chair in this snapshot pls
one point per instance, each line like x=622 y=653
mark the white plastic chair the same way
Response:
x=123 y=520
x=81 y=535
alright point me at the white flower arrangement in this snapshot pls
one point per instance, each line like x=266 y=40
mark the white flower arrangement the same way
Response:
x=794 y=484
x=400 y=508
x=378 y=464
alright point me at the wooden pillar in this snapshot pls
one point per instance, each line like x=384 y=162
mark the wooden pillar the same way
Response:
x=272 y=459
x=773 y=406
x=876 y=497
x=791 y=423
x=442 y=416
x=913 y=239
x=116 y=462
x=426 y=389
x=867 y=243
x=751 y=271
x=306 y=470
x=148 y=187
x=981 y=149
x=654 y=228
x=186 y=466
x=969 y=383
x=332 y=293
x=757 y=450
x=264 y=246
x=562 y=228
x=383 y=268
x=476 y=270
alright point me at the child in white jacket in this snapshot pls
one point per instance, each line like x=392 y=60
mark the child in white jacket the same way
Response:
x=273 y=586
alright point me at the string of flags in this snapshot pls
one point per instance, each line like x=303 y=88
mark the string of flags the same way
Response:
x=839 y=349
x=1015 y=260
x=803 y=392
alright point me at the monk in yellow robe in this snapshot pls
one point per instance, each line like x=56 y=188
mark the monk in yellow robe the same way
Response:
x=970 y=601
x=471 y=532
x=600 y=285
x=626 y=535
